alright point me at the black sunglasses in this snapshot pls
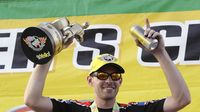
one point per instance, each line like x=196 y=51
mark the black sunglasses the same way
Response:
x=104 y=76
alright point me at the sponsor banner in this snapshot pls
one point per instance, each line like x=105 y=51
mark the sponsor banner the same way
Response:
x=143 y=78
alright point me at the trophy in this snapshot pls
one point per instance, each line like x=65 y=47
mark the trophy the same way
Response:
x=42 y=42
x=138 y=32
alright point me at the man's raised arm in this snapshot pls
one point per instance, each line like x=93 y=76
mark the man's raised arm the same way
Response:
x=33 y=93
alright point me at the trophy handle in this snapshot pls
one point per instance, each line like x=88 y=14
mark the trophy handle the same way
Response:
x=74 y=31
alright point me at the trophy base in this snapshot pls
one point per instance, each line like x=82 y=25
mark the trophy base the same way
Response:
x=37 y=45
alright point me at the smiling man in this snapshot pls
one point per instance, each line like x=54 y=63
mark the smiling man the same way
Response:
x=105 y=78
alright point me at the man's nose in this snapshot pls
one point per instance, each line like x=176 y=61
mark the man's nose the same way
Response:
x=109 y=79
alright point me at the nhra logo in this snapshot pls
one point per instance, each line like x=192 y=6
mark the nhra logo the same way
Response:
x=35 y=42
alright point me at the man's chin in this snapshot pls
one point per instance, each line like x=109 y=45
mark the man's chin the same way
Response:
x=109 y=98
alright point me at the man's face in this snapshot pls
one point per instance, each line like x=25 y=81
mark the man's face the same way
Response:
x=105 y=89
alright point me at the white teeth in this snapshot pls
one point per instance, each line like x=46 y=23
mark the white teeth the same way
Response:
x=110 y=87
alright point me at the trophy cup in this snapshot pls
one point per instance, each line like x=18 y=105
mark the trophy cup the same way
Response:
x=41 y=43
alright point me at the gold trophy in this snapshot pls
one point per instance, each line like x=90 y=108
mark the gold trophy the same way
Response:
x=138 y=32
x=41 y=43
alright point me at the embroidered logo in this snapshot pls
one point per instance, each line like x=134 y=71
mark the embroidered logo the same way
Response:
x=108 y=58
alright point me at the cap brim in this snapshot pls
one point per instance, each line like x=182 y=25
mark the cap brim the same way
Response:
x=118 y=67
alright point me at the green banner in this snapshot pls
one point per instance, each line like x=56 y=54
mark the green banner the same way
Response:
x=14 y=9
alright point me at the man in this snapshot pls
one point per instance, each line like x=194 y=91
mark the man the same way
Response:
x=106 y=77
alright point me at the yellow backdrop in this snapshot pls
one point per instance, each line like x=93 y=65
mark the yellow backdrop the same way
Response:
x=140 y=83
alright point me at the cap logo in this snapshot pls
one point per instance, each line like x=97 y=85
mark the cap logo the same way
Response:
x=108 y=58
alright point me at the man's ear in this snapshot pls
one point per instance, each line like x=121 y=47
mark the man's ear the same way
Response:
x=89 y=80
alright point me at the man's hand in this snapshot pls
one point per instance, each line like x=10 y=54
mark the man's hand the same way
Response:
x=149 y=33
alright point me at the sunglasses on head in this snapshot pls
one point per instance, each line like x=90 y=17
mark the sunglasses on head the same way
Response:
x=104 y=76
